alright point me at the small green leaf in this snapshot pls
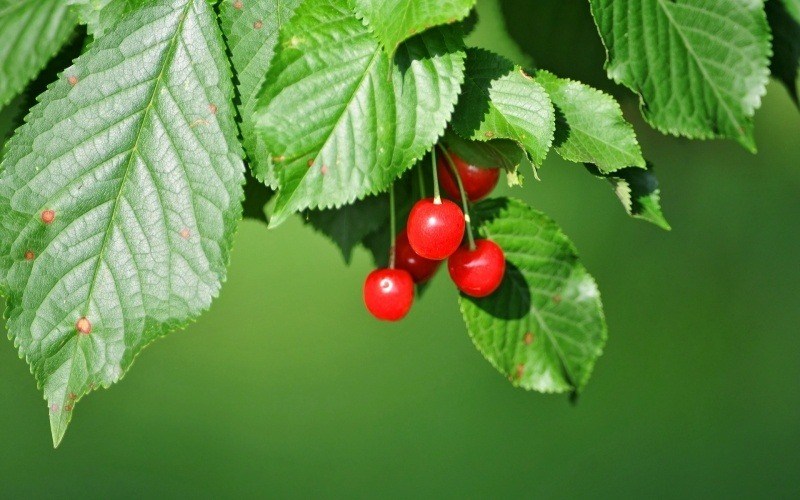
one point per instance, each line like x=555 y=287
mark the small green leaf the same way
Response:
x=340 y=118
x=590 y=127
x=32 y=32
x=700 y=67
x=498 y=153
x=118 y=201
x=500 y=101
x=544 y=327
x=785 y=64
x=349 y=225
x=251 y=29
x=638 y=191
x=395 y=21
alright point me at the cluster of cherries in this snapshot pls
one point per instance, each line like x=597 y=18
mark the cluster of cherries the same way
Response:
x=435 y=232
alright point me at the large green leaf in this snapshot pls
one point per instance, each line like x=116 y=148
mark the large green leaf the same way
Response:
x=544 y=327
x=251 y=29
x=341 y=119
x=395 y=21
x=785 y=64
x=700 y=66
x=590 y=127
x=118 y=201
x=500 y=101
x=31 y=33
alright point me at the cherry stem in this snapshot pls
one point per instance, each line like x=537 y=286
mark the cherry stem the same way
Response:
x=437 y=197
x=393 y=228
x=464 y=202
x=421 y=176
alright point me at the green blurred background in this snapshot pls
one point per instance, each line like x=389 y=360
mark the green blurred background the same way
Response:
x=288 y=388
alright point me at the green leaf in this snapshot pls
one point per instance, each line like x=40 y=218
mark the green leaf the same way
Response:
x=133 y=151
x=500 y=101
x=340 y=118
x=251 y=29
x=32 y=32
x=785 y=64
x=544 y=327
x=638 y=191
x=590 y=127
x=700 y=67
x=395 y=21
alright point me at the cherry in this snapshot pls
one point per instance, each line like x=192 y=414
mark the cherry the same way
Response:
x=420 y=268
x=389 y=293
x=435 y=228
x=479 y=272
x=478 y=182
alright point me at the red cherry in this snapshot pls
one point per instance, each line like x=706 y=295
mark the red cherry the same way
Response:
x=435 y=230
x=478 y=182
x=478 y=272
x=389 y=293
x=420 y=268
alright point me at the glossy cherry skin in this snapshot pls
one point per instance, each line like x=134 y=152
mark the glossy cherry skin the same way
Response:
x=478 y=182
x=435 y=230
x=389 y=293
x=420 y=268
x=479 y=272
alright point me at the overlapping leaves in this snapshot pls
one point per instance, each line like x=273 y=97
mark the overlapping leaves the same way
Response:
x=394 y=21
x=343 y=120
x=500 y=101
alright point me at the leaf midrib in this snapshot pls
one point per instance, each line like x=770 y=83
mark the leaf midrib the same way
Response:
x=168 y=57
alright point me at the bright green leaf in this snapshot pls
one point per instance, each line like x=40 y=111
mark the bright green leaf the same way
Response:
x=133 y=151
x=544 y=327
x=251 y=29
x=701 y=67
x=590 y=127
x=639 y=193
x=395 y=21
x=500 y=101
x=32 y=33
x=341 y=119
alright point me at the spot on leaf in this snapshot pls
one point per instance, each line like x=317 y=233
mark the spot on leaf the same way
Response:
x=73 y=80
x=84 y=326
x=29 y=255
x=48 y=216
